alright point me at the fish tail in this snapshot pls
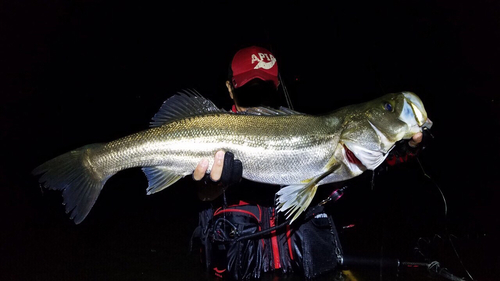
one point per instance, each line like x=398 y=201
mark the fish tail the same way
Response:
x=79 y=181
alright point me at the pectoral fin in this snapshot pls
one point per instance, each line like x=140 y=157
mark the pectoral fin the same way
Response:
x=294 y=199
x=159 y=178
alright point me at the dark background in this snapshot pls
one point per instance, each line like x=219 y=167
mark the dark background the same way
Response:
x=80 y=72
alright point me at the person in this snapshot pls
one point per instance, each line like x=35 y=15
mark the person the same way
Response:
x=240 y=233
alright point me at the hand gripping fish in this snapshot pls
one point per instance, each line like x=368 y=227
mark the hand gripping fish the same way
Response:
x=283 y=147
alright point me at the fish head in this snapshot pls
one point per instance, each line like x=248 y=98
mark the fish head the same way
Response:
x=397 y=116
x=381 y=123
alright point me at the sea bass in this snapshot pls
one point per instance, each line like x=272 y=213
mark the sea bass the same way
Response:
x=283 y=147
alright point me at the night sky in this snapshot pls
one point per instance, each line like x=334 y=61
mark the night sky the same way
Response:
x=80 y=72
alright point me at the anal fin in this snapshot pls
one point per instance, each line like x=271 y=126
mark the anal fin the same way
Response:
x=159 y=178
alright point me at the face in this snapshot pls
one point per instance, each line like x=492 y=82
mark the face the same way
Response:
x=254 y=94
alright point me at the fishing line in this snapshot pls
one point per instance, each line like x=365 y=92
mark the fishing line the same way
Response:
x=224 y=206
x=373 y=180
x=437 y=186
x=280 y=79
x=445 y=217
x=285 y=92
x=459 y=259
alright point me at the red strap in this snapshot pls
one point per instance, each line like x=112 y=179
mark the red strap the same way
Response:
x=289 y=240
x=274 y=242
x=236 y=211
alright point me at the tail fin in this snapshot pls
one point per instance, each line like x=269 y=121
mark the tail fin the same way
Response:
x=79 y=182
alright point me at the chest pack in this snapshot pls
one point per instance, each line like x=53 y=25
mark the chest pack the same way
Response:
x=242 y=241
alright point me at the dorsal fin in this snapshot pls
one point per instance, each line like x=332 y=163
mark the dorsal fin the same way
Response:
x=183 y=104
x=268 y=111
x=289 y=111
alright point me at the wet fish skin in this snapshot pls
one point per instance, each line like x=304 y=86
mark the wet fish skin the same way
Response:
x=276 y=147
x=181 y=145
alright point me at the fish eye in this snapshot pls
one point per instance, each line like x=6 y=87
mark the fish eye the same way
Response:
x=388 y=107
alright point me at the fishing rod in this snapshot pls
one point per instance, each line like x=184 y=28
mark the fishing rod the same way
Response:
x=433 y=267
x=334 y=196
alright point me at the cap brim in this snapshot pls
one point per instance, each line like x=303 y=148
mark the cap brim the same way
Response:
x=243 y=78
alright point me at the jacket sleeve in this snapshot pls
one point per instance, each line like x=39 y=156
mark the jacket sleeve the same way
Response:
x=403 y=152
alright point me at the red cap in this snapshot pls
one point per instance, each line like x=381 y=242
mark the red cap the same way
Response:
x=254 y=62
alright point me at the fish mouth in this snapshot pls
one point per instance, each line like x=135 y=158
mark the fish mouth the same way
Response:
x=414 y=114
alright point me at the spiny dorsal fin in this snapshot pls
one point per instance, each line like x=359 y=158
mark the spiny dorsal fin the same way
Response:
x=268 y=111
x=289 y=111
x=183 y=104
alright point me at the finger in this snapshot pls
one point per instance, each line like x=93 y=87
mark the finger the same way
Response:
x=218 y=165
x=415 y=139
x=200 y=170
